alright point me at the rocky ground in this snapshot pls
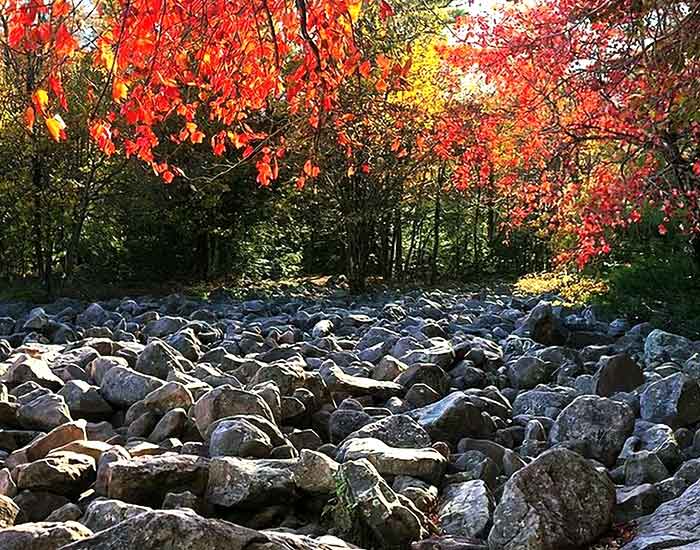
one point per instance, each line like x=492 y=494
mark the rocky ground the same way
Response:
x=425 y=421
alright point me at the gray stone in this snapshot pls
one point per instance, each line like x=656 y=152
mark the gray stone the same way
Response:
x=557 y=501
x=601 y=424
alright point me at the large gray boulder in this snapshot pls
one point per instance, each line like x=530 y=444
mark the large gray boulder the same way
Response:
x=184 y=530
x=674 y=400
x=228 y=401
x=600 y=424
x=674 y=524
x=427 y=464
x=123 y=387
x=393 y=523
x=250 y=483
x=558 y=501
x=146 y=480
x=662 y=346
x=465 y=509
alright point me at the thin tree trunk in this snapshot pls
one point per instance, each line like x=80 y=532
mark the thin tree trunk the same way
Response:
x=436 y=229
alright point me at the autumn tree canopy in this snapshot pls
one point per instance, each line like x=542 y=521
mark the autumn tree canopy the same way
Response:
x=573 y=120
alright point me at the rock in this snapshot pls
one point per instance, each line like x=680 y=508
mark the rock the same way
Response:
x=46 y=412
x=172 y=395
x=544 y=327
x=644 y=467
x=62 y=473
x=397 y=430
x=26 y=368
x=185 y=530
x=228 y=401
x=618 y=373
x=56 y=438
x=634 y=502
x=392 y=523
x=122 y=387
x=173 y=424
x=674 y=524
x=449 y=419
x=37 y=506
x=159 y=360
x=542 y=399
x=674 y=400
x=600 y=424
x=8 y=512
x=146 y=480
x=528 y=371
x=472 y=497
x=338 y=381
x=316 y=473
x=84 y=400
x=104 y=513
x=239 y=437
x=42 y=536
x=557 y=501
x=93 y=315
x=427 y=463
x=248 y=483
x=662 y=346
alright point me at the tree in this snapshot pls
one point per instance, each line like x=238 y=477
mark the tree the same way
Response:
x=593 y=106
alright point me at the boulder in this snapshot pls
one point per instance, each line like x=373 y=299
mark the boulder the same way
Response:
x=391 y=521
x=146 y=480
x=42 y=536
x=465 y=509
x=558 y=501
x=427 y=464
x=674 y=400
x=600 y=424
x=250 y=483
x=122 y=387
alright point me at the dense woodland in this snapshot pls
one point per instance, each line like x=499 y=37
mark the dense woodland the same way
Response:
x=412 y=140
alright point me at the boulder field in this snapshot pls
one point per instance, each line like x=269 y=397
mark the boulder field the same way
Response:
x=429 y=420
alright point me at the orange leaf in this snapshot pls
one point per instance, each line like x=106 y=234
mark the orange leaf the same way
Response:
x=365 y=69
x=29 y=118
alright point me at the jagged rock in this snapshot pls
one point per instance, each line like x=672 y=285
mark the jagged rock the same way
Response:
x=674 y=400
x=393 y=523
x=62 y=473
x=104 y=513
x=465 y=509
x=673 y=525
x=84 y=400
x=146 y=480
x=26 y=368
x=46 y=412
x=617 y=373
x=123 y=387
x=557 y=501
x=42 y=536
x=662 y=346
x=427 y=463
x=245 y=483
x=600 y=424
x=8 y=512
x=185 y=530
x=228 y=401
x=449 y=419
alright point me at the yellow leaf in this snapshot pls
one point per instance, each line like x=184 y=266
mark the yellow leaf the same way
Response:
x=54 y=125
x=119 y=90
x=354 y=9
x=41 y=100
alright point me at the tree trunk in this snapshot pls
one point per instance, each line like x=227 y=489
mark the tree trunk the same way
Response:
x=398 y=244
x=436 y=230
x=695 y=243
